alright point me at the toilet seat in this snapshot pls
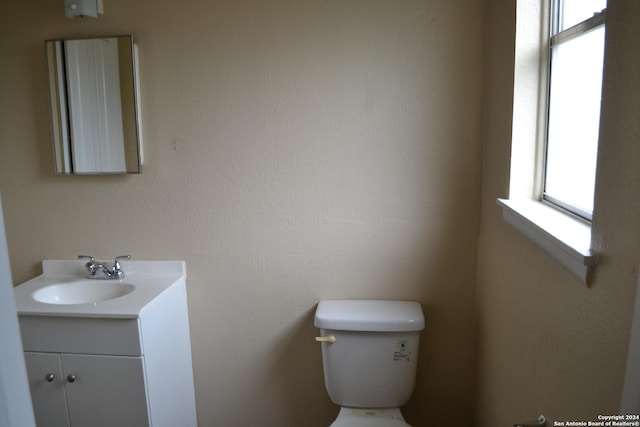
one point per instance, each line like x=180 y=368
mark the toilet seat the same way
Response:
x=356 y=417
x=368 y=422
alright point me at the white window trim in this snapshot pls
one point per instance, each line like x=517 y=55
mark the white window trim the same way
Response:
x=564 y=237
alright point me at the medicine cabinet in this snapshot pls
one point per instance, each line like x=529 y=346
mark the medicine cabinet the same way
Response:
x=93 y=92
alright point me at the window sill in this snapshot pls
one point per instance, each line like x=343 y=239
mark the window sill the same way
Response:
x=564 y=238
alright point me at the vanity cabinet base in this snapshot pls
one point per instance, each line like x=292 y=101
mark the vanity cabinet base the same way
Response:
x=148 y=383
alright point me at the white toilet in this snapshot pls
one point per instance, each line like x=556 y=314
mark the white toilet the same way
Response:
x=369 y=355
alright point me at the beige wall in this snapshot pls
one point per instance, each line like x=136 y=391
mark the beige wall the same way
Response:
x=294 y=151
x=547 y=344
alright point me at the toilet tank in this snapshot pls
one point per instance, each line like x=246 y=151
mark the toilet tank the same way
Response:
x=372 y=362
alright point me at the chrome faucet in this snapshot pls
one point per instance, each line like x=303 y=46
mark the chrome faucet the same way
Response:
x=95 y=267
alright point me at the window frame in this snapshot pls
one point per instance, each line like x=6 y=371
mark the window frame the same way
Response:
x=556 y=38
x=565 y=237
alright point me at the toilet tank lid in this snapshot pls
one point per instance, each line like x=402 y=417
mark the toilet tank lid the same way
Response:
x=369 y=315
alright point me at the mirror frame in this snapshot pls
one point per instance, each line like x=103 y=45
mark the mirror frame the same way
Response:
x=60 y=110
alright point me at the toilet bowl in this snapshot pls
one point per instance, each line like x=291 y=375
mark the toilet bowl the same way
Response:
x=369 y=357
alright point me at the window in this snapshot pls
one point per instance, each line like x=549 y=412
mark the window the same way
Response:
x=575 y=85
x=558 y=73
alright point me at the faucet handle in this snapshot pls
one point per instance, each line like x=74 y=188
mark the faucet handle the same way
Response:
x=90 y=265
x=118 y=258
x=118 y=273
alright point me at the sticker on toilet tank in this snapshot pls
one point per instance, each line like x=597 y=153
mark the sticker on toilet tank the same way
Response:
x=402 y=353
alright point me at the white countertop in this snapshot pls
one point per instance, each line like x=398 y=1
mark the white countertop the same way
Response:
x=150 y=278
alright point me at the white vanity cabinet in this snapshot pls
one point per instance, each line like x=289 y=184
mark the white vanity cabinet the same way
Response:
x=87 y=390
x=126 y=370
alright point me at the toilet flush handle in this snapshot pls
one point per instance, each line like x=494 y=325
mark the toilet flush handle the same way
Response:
x=328 y=338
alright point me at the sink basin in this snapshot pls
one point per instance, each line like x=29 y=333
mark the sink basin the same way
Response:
x=82 y=292
x=63 y=289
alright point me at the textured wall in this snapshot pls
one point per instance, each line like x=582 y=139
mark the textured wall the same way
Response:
x=294 y=151
x=546 y=343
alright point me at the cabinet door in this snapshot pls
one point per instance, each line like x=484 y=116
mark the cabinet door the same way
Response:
x=47 y=389
x=105 y=391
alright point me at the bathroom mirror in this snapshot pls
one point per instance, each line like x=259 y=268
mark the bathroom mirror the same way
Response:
x=94 y=105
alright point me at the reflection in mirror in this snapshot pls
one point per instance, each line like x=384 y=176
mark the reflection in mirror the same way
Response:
x=94 y=105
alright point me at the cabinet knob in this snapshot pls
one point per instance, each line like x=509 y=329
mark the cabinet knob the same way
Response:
x=49 y=377
x=71 y=378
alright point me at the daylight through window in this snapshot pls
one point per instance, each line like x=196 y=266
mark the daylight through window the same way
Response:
x=577 y=53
